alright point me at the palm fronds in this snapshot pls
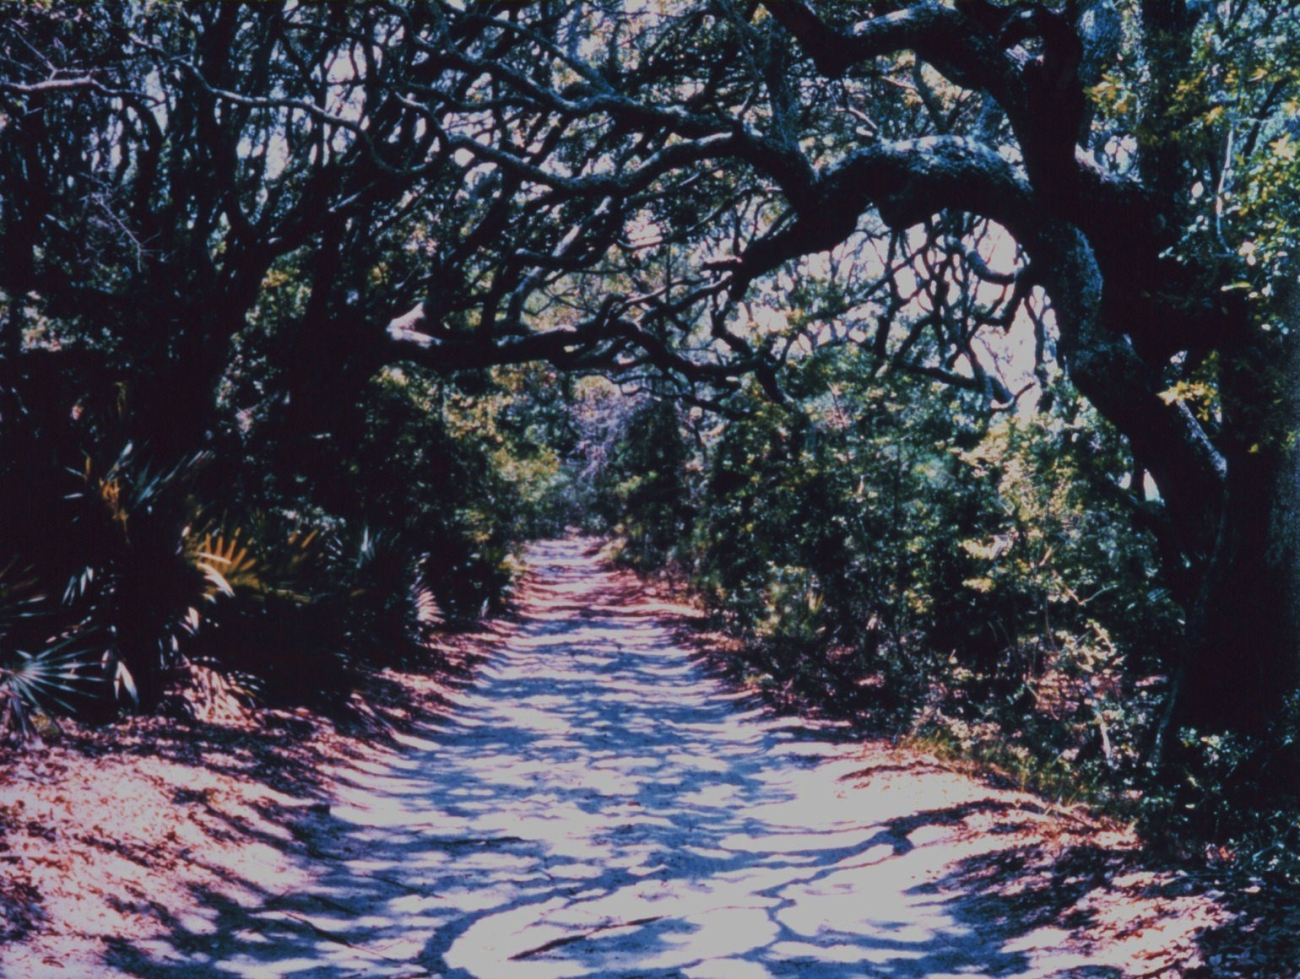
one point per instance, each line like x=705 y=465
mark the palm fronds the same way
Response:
x=36 y=674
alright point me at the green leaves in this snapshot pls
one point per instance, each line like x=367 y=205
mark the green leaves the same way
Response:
x=887 y=555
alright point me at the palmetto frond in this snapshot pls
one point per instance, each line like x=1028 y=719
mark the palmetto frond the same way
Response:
x=47 y=676
x=227 y=563
x=20 y=596
x=247 y=563
x=40 y=680
x=132 y=588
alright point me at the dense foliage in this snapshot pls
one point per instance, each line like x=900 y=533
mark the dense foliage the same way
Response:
x=960 y=576
x=122 y=572
x=972 y=583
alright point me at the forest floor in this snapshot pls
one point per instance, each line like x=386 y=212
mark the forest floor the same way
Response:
x=596 y=801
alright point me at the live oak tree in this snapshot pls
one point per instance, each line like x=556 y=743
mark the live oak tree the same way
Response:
x=697 y=192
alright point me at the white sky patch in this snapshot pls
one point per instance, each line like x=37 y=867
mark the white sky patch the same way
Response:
x=644 y=232
x=998 y=249
x=768 y=320
x=818 y=266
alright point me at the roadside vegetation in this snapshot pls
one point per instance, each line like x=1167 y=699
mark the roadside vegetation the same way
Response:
x=126 y=580
x=971 y=583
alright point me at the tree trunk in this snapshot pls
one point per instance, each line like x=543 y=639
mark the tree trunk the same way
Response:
x=1242 y=635
x=1243 y=650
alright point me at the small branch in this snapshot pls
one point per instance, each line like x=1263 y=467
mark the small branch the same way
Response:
x=52 y=85
x=570 y=939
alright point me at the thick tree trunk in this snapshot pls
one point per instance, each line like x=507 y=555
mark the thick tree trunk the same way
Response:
x=1231 y=523
x=1243 y=651
x=1242 y=641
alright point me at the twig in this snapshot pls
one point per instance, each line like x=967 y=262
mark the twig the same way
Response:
x=570 y=939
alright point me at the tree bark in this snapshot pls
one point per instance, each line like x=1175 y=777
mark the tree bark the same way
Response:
x=1243 y=644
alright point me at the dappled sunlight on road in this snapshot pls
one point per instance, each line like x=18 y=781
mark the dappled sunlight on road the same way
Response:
x=598 y=806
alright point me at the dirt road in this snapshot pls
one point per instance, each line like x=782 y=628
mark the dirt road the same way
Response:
x=598 y=805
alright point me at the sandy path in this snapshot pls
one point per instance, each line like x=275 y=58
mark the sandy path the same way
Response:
x=598 y=806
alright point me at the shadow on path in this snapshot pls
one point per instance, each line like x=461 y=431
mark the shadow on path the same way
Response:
x=598 y=806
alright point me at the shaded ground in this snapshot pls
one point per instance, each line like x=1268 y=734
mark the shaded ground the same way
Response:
x=597 y=804
x=110 y=837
